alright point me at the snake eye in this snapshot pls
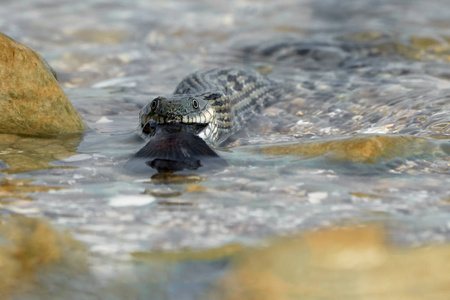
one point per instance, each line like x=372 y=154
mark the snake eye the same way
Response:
x=195 y=104
x=154 y=104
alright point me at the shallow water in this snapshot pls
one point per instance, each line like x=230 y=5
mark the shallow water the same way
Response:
x=362 y=135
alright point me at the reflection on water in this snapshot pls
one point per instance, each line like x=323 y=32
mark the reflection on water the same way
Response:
x=24 y=154
x=19 y=189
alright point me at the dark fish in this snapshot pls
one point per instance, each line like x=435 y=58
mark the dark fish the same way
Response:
x=175 y=148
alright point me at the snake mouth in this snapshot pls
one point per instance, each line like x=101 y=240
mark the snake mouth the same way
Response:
x=194 y=123
x=151 y=127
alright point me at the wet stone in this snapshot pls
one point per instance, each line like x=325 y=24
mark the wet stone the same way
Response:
x=335 y=263
x=31 y=101
x=30 y=246
x=358 y=149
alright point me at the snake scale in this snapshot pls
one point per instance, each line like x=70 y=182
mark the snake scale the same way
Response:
x=213 y=103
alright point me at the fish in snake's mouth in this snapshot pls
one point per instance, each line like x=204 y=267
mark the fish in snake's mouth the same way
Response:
x=151 y=127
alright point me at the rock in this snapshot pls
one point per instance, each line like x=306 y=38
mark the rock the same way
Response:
x=357 y=149
x=31 y=100
x=35 y=258
x=336 y=263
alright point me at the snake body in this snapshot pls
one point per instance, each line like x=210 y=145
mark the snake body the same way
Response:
x=213 y=104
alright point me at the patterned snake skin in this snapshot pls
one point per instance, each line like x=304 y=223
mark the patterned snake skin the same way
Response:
x=212 y=103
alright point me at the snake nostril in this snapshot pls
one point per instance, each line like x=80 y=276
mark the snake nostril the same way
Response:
x=146 y=128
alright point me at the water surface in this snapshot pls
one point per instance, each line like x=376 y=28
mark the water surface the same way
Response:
x=361 y=136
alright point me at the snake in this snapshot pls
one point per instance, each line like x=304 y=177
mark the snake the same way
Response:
x=213 y=104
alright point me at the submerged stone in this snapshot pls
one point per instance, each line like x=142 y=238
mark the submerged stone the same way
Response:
x=31 y=100
x=30 y=250
x=336 y=263
x=361 y=149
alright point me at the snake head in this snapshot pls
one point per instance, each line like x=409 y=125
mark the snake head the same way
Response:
x=192 y=112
